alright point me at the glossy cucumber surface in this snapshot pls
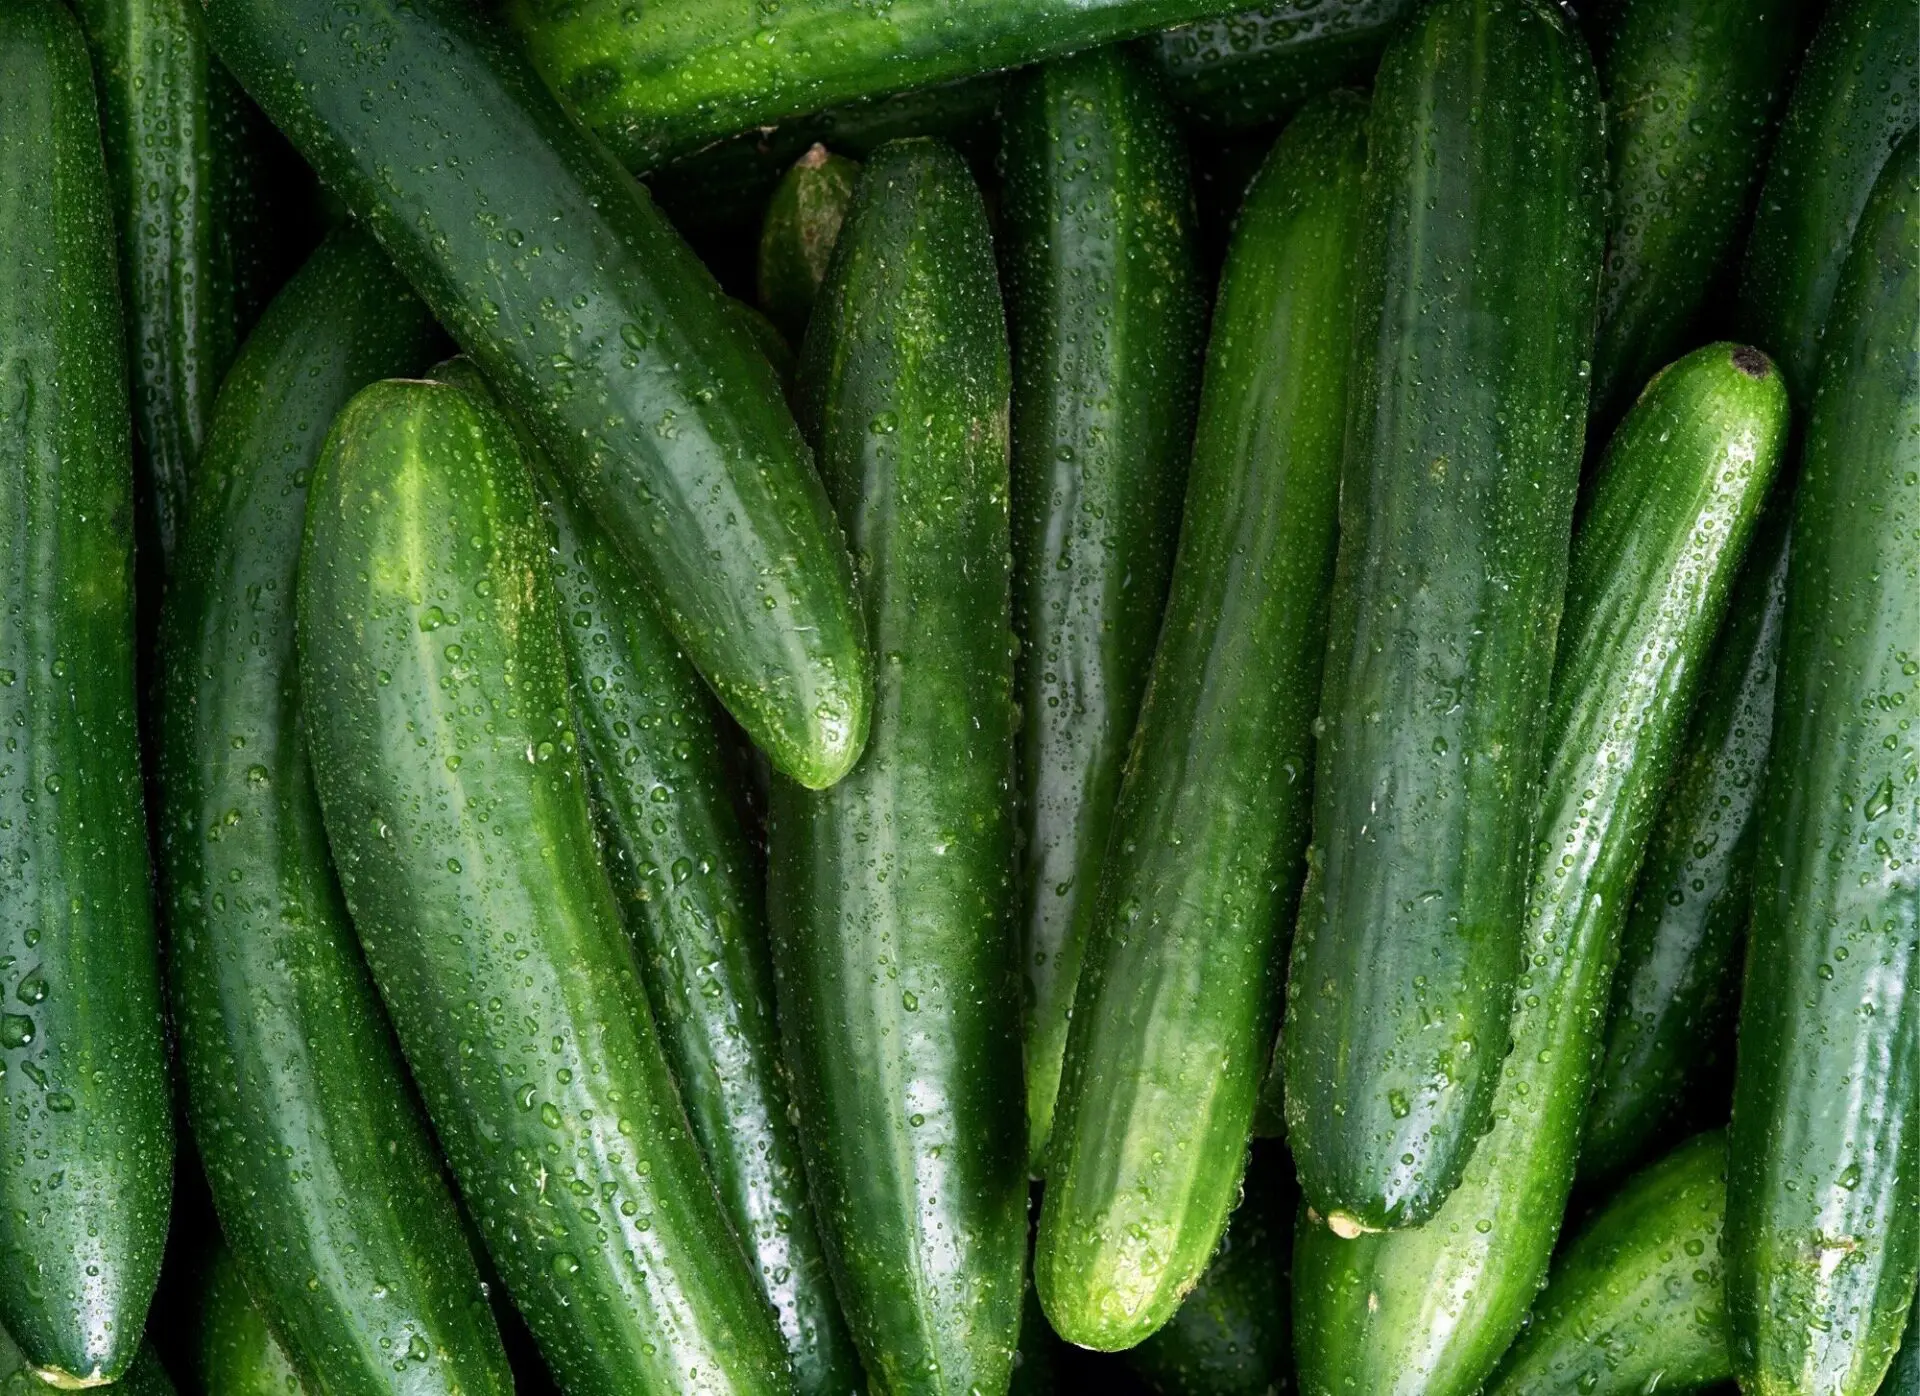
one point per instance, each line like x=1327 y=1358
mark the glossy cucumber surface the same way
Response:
x=83 y=1098
x=892 y=894
x=1904 y=1379
x=1107 y=311
x=1176 y=1007
x=797 y=236
x=599 y=327
x=1823 y=1237
x=1431 y=1310
x=238 y=1354
x=1478 y=262
x=146 y=1377
x=434 y=692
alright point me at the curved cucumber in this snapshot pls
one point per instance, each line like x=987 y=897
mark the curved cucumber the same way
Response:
x=599 y=326
x=434 y=694
x=796 y=239
x=1823 y=1235
x=1431 y=1310
x=83 y=1099
x=327 y=1184
x=238 y=1354
x=1479 y=256
x=1107 y=310
x=1636 y=1302
x=892 y=893
x=1176 y=1006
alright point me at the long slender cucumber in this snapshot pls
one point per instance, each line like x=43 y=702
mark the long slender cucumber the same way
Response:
x=86 y=1129
x=434 y=694
x=1108 y=314
x=892 y=893
x=1479 y=257
x=237 y=1354
x=1176 y=1006
x=1430 y=1310
x=600 y=328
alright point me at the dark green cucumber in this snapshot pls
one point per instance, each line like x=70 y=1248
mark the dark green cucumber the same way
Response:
x=146 y=1377
x=238 y=1354
x=1108 y=313
x=892 y=893
x=1693 y=89
x=1176 y=1005
x=1430 y=1310
x=796 y=239
x=1636 y=1302
x=1857 y=94
x=1234 y=71
x=1479 y=257
x=434 y=695
x=86 y=1129
x=689 y=887
x=600 y=328
x=1904 y=1378
x=326 y=1181
x=1823 y=1234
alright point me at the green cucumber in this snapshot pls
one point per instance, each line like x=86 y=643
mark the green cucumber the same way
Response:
x=1234 y=71
x=146 y=1377
x=1636 y=1302
x=1430 y=1310
x=1693 y=90
x=326 y=1181
x=1479 y=258
x=84 y=1104
x=1904 y=1377
x=796 y=239
x=238 y=1354
x=1176 y=1005
x=1108 y=314
x=689 y=887
x=892 y=893
x=1857 y=94
x=1823 y=1237
x=600 y=328
x=434 y=696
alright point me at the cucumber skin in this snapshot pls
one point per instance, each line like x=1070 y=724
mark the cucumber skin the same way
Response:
x=238 y=1354
x=328 y=1186
x=1108 y=315
x=1857 y=94
x=146 y=1377
x=456 y=808
x=796 y=238
x=891 y=895
x=84 y=1103
x=1485 y=166
x=598 y=326
x=1431 y=1310
x=1904 y=1378
x=1825 y=1141
x=1636 y=1301
x=1178 y=998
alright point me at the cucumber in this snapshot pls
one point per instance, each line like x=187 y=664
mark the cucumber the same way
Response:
x=146 y=1377
x=1431 y=1310
x=238 y=1354
x=434 y=695
x=1636 y=1302
x=1823 y=1237
x=1108 y=313
x=601 y=330
x=1857 y=94
x=689 y=888
x=1177 y=1002
x=1904 y=1378
x=83 y=1099
x=326 y=1181
x=891 y=895
x=1479 y=257
x=1235 y=71
x=796 y=239
x=1693 y=90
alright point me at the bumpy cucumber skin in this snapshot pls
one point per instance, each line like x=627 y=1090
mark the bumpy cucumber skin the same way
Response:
x=1479 y=259
x=1822 y=1230
x=434 y=694
x=1693 y=89
x=1431 y=1310
x=796 y=239
x=892 y=893
x=83 y=1102
x=600 y=328
x=237 y=1352
x=326 y=1181
x=1857 y=94
x=1175 y=1012
x=1108 y=315
x=1636 y=1302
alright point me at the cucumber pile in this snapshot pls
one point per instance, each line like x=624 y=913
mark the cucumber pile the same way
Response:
x=944 y=699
